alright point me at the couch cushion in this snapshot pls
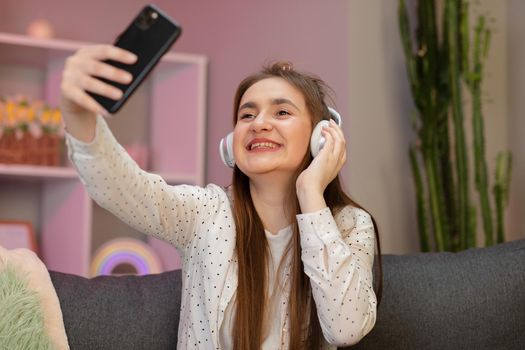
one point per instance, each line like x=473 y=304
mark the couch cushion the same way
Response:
x=125 y=312
x=473 y=299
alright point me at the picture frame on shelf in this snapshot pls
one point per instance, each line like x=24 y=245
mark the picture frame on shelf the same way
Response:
x=17 y=234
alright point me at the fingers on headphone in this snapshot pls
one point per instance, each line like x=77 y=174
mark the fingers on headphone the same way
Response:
x=335 y=141
x=338 y=133
x=328 y=134
x=332 y=129
x=337 y=128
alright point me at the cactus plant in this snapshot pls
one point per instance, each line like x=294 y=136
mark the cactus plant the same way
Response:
x=440 y=61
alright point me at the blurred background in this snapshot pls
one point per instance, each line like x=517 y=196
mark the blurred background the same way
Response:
x=355 y=46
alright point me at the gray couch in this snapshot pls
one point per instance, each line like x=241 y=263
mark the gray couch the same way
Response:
x=469 y=300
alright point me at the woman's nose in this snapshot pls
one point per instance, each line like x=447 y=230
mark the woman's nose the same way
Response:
x=261 y=122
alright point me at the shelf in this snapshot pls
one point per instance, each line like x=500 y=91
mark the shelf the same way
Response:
x=40 y=172
x=34 y=172
x=33 y=51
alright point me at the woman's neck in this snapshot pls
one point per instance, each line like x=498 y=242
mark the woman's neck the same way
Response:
x=270 y=198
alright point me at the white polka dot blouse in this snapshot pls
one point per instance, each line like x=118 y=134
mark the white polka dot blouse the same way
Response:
x=337 y=252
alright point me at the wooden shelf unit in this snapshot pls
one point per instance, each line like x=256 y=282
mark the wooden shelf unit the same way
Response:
x=166 y=114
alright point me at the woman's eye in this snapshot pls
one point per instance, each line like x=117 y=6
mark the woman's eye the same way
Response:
x=283 y=113
x=245 y=116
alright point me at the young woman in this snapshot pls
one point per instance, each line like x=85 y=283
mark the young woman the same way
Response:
x=281 y=259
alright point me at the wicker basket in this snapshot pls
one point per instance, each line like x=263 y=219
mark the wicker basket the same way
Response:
x=44 y=150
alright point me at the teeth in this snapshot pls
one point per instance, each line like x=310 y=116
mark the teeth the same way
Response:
x=263 y=144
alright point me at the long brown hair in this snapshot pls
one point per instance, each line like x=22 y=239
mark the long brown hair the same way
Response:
x=251 y=244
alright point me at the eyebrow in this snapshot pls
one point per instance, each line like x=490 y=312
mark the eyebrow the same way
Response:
x=275 y=101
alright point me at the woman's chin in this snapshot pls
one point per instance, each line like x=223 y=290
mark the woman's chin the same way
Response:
x=254 y=170
x=258 y=169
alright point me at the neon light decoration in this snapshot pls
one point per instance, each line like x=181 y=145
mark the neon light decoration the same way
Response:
x=128 y=251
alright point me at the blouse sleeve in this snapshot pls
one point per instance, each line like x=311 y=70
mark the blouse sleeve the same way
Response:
x=141 y=199
x=338 y=255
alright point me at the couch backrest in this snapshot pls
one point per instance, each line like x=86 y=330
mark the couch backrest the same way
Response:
x=473 y=299
x=469 y=300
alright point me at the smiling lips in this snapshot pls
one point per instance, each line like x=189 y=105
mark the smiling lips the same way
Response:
x=261 y=145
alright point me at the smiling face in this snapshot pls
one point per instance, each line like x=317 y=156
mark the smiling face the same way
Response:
x=273 y=128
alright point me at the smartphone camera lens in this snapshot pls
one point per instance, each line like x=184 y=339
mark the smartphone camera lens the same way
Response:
x=146 y=19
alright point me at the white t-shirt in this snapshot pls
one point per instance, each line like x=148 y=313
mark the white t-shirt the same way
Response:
x=272 y=337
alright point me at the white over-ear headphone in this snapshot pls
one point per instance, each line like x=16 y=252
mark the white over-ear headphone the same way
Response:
x=317 y=140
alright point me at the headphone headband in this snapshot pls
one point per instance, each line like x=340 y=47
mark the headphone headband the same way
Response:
x=335 y=116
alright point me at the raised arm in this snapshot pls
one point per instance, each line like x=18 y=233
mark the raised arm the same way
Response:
x=338 y=255
x=143 y=200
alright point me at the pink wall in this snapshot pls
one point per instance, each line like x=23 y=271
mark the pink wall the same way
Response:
x=238 y=36
x=352 y=44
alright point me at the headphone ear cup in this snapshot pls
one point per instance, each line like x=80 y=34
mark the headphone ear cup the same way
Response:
x=317 y=140
x=226 y=150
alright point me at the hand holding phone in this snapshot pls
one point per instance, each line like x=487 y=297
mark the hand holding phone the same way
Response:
x=149 y=36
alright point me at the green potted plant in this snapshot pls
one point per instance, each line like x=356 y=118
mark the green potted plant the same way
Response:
x=444 y=58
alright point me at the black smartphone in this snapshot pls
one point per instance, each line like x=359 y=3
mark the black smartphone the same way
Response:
x=149 y=36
